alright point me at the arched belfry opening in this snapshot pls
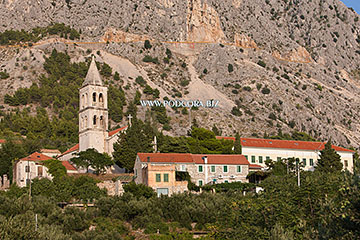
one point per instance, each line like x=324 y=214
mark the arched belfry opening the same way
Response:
x=102 y=122
x=101 y=99
x=94 y=97
x=94 y=120
x=83 y=101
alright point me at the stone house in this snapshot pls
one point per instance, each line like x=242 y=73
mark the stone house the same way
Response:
x=32 y=166
x=258 y=150
x=159 y=170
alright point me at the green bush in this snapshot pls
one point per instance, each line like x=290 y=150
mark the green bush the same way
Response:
x=148 y=58
x=265 y=90
x=139 y=190
x=140 y=80
x=261 y=63
x=230 y=68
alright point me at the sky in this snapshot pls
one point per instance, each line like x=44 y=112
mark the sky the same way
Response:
x=355 y=4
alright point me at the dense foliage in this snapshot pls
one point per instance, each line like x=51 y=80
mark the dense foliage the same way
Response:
x=325 y=206
x=16 y=37
x=92 y=158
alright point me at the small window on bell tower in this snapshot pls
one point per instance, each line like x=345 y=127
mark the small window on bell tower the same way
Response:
x=94 y=120
x=101 y=98
x=94 y=97
x=101 y=121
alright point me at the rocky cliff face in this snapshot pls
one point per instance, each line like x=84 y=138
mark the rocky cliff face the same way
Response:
x=295 y=60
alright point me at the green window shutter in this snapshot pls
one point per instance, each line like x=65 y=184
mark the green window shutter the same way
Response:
x=166 y=177
x=213 y=169
x=225 y=168
x=238 y=169
x=260 y=159
x=246 y=156
x=304 y=161
x=311 y=162
x=267 y=158
x=253 y=159
x=200 y=182
x=158 y=177
x=200 y=168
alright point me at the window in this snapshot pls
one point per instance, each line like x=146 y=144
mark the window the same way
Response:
x=267 y=158
x=200 y=168
x=212 y=169
x=183 y=168
x=27 y=168
x=94 y=120
x=278 y=159
x=253 y=159
x=225 y=168
x=166 y=177
x=238 y=169
x=102 y=122
x=226 y=181
x=260 y=159
x=158 y=177
x=304 y=161
x=162 y=191
x=94 y=97
x=40 y=171
x=101 y=98
x=346 y=163
x=246 y=156
x=311 y=162
x=200 y=183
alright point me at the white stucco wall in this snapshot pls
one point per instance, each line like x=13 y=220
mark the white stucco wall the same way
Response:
x=274 y=153
x=22 y=175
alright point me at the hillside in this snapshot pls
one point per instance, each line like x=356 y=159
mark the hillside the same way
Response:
x=274 y=65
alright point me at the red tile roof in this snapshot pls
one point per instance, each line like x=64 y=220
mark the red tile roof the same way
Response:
x=116 y=131
x=255 y=166
x=193 y=158
x=72 y=149
x=36 y=157
x=68 y=165
x=285 y=144
x=166 y=157
x=50 y=151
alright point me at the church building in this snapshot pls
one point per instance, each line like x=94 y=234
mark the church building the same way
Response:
x=93 y=117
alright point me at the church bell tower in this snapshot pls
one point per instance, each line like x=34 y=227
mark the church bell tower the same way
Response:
x=93 y=114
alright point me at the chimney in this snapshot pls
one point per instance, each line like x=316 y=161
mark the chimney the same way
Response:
x=205 y=159
x=148 y=159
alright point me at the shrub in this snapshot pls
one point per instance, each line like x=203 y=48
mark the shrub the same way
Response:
x=275 y=69
x=247 y=88
x=258 y=86
x=234 y=91
x=285 y=76
x=236 y=111
x=272 y=116
x=230 y=68
x=148 y=58
x=4 y=75
x=265 y=90
x=261 y=63
x=140 y=80
x=205 y=71
x=184 y=82
x=147 y=44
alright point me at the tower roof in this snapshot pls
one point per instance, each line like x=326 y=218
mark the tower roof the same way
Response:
x=93 y=75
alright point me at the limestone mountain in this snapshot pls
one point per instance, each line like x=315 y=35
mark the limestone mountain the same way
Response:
x=273 y=64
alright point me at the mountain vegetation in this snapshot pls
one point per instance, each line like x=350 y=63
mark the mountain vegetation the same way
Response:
x=325 y=206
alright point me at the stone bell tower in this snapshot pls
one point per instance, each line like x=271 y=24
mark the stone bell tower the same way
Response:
x=93 y=114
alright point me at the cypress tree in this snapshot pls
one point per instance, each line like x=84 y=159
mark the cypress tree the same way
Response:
x=329 y=161
x=237 y=144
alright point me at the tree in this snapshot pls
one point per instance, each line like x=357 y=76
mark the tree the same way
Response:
x=216 y=130
x=237 y=144
x=94 y=159
x=55 y=167
x=9 y=151
x=138 y=138
x=139 y=190
x=329 y=161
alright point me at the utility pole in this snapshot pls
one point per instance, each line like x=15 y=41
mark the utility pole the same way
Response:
x=298 y=171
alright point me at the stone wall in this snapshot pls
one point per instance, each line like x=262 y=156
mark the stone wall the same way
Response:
x=113 y=188
x=4 y=182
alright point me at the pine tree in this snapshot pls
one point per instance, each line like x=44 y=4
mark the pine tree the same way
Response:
x=237 y=144
x=329 y=161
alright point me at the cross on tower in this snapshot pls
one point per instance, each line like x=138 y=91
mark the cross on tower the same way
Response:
x=130 y=117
